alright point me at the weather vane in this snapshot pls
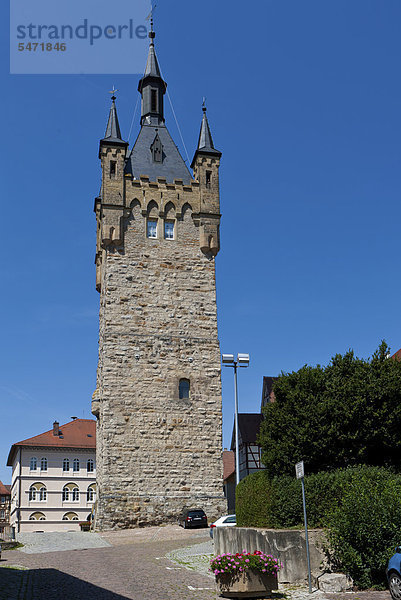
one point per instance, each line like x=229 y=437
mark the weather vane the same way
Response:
x=204 y=104
x=113 y=92
x=150 y=15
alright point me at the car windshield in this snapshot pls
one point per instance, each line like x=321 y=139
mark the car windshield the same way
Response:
x=196 y=513
x=231 y=519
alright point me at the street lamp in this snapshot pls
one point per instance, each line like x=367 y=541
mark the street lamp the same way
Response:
x=242 y=361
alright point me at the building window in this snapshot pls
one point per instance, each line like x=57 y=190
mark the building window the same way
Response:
x=184 y=388
x=169 y=230
x=70 y=493
x=66 y=464
x=153 y=100
x=70 y=516
x=33 y=465
x=75 y=464
x=90 y=465
x=37 y=516
x=91 y=493
x=37 y=492
x=3 y=499
x=208 y=178
x=113 y=168
x=43 y=464
x=151 y=228
x=2 y=514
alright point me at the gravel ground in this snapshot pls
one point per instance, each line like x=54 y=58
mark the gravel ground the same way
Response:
x=35 y=543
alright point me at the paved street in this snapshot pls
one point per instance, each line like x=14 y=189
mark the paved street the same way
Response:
x=156 y=563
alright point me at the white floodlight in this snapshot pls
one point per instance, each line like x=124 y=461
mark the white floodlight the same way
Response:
x=243 y=360
x=227 y=358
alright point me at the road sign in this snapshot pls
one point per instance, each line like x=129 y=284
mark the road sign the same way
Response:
x=299 y=469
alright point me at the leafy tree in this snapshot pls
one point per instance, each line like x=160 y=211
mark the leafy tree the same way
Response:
x=344 y=414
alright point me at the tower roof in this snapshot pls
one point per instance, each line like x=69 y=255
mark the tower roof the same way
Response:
x=142 y=160
x=113 y=132
x=205 y=141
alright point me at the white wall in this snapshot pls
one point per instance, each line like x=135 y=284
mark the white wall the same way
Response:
x=54 y=479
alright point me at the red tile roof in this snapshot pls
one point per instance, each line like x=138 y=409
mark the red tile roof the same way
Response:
x=5 y=489
x=79 y=433
x=397 y=355
x=228 y=463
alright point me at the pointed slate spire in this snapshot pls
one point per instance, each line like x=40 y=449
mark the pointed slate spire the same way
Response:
x=152 y=87
x=205 y=141
x=112 y=137
x=113 y=132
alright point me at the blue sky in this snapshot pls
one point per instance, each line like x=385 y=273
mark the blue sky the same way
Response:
x=303 y=101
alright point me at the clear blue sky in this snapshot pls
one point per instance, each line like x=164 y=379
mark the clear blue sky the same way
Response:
x=304 y=102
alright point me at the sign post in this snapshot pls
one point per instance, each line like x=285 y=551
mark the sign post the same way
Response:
x=300 y=473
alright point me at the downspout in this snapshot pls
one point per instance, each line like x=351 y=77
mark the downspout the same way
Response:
x=19 y=491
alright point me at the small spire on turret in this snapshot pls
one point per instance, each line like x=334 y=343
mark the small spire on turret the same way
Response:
x=205 y=141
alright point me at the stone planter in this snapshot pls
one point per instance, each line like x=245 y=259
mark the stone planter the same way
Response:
x=248 y=584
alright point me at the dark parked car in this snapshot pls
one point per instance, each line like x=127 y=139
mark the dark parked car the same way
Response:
x=194 y=517
x=394 y=574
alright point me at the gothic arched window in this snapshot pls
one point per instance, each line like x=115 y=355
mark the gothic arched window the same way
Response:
x=184 y=388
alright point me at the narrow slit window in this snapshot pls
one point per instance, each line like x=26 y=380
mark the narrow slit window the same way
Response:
x=208 y=178
x=113 y=168
x=151 y=228
x=153 y=100
x=184 y=389
x=169 y=230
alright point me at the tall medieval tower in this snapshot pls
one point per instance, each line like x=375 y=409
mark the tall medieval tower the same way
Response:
x=158 y=396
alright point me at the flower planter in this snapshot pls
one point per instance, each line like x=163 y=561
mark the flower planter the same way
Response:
x=247 y=584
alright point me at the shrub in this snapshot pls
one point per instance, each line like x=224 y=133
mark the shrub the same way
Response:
x=365 y=527
x=360 y=507
x=344 y=414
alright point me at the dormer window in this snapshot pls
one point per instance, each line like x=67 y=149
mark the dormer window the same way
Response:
x=157 y=149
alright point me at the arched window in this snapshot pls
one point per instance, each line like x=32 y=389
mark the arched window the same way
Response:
x=66 y=464
x=91 y=493
x=184 y=388
x=75 y=464
x=70 y=493
x=37 y=492
x=43 y=464
x=37 y=516
x=70 y=516
x=33 y=465
x=90 y=465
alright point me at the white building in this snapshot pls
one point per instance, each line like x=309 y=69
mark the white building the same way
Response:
x=53 y=485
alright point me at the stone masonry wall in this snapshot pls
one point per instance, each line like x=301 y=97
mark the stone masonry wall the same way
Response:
x=157 y=453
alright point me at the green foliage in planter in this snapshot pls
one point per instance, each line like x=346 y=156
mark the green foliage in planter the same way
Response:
x=344 y=414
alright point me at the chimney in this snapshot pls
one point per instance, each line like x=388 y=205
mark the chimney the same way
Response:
x=56 y=428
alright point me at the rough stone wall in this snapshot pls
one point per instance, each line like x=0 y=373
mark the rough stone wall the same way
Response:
x=156 y=453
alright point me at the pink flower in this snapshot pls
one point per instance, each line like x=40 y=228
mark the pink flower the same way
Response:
x=247 y=560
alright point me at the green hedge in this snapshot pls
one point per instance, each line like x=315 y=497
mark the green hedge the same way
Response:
x=360 y=506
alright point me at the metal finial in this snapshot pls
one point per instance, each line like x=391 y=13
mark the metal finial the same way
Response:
x=113 y=92
x=204 y=104
x=150 y=18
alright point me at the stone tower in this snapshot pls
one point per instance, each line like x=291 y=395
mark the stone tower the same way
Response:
x=158 y=396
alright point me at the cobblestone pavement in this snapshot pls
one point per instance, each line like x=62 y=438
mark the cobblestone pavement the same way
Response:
x=66 y=540
x=138 y=566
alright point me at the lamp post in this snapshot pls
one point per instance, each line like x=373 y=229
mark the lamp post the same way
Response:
x=242 y=361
